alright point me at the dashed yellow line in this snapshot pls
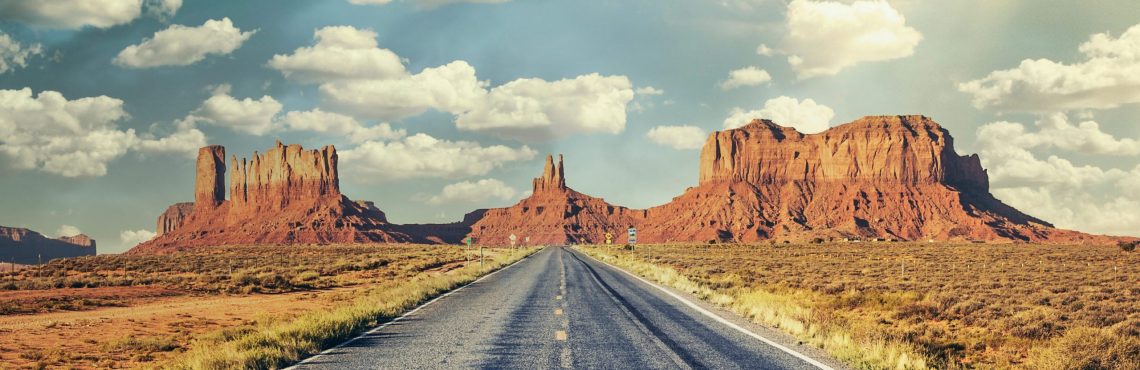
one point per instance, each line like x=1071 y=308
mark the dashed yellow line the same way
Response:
x=558 y=298
x=558 y=311
x=560 y=335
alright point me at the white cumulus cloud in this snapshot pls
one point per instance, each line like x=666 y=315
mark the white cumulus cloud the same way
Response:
x=747 y=76
x=825 y=37
x=451 y=88
x=473 y=192
x=181 y=45
x=423 y=156
x=14 y=55
x=131 y=238
x=255 y=117
x=74 y=14
x=1108 y=77
x=317 y=120
x=678 y=137
x=1077 y=196
x=533 y=108
x=805 y=116
x=74 y=138
x=359 y=78
x=340 y=52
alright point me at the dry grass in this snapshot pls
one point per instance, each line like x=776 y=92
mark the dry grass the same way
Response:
x=188 y=311
x=900 y=305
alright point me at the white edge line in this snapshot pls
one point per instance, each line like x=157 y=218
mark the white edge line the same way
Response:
x=401 y=317
x=719 y=319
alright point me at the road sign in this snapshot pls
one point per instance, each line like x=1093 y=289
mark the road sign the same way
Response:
x=632 y=235
x=513 y=238
x=609 y=238
x=527 y=240
x=469 y=240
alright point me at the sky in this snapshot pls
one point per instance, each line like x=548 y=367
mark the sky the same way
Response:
x=440 y=107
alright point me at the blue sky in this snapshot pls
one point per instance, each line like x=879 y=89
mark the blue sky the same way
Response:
x=439 y=107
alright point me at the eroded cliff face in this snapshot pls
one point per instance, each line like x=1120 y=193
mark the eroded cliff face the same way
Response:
x=286 y=195
x=890 y=177
x=890 y=149
x=552 y=214
x=27 y=247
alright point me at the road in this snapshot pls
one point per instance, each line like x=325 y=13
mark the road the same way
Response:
x=558 y=309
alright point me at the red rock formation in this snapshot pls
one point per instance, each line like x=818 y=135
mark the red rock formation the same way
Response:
x=286 y=195
x=173 y=217
x=27 y=247
x=890 y=177
x=552 y=214
x=210 y=184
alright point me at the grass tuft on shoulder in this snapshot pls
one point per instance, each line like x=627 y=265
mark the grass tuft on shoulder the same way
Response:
x=276 y=344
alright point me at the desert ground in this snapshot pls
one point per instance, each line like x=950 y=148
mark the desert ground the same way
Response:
x=187 y=310
x=917 y=305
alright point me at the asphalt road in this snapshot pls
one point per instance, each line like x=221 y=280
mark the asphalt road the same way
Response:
x=558 y=309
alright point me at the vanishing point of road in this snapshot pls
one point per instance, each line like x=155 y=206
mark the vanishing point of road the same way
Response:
x=561 y=309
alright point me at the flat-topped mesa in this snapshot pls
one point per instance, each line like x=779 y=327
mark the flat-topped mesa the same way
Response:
x=20 y=245
x=906 y=149
x=209 y=184
x=553 y=178
x=283 y=175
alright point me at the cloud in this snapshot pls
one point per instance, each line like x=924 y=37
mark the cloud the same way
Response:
x=428 y=4
x=473 y=192
x=747 y=76
x=649 y=91
x=185 y=140
x=15 y=55
x=1055 y=131
x=764 y=50
x=67 y=230
x=1082 y=197
x=180 y=45
x=423 y=156
x=76 y=14
x=254 y=117
x=72 y=138
x=805 y=116
x=131 y=238
x=72 y=14
x=532 y=108
x=450 y=88
x=1108 y=77
x=340 y=53
x=317 y=120
x=678 y=137
x=359 y=78
x=825 y=37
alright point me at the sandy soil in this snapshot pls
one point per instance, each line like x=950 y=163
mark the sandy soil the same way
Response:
x=94 y=338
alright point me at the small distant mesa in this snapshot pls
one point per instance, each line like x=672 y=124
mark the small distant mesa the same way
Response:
x=879 y=177
x=27 y=247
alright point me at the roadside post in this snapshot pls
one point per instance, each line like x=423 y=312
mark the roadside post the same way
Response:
x=467 y=252
x=633 y=237
x=513 y=238
x=609 y=238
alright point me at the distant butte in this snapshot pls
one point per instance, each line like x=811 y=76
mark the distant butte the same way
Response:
x=879 y=177
x=28 y=247
x=287 y=195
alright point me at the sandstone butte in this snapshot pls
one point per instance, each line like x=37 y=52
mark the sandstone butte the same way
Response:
x=879 y=177
x=28 y=247
x=287 y=195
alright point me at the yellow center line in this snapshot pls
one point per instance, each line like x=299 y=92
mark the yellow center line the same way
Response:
x=560 y=335
x=558 y=311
